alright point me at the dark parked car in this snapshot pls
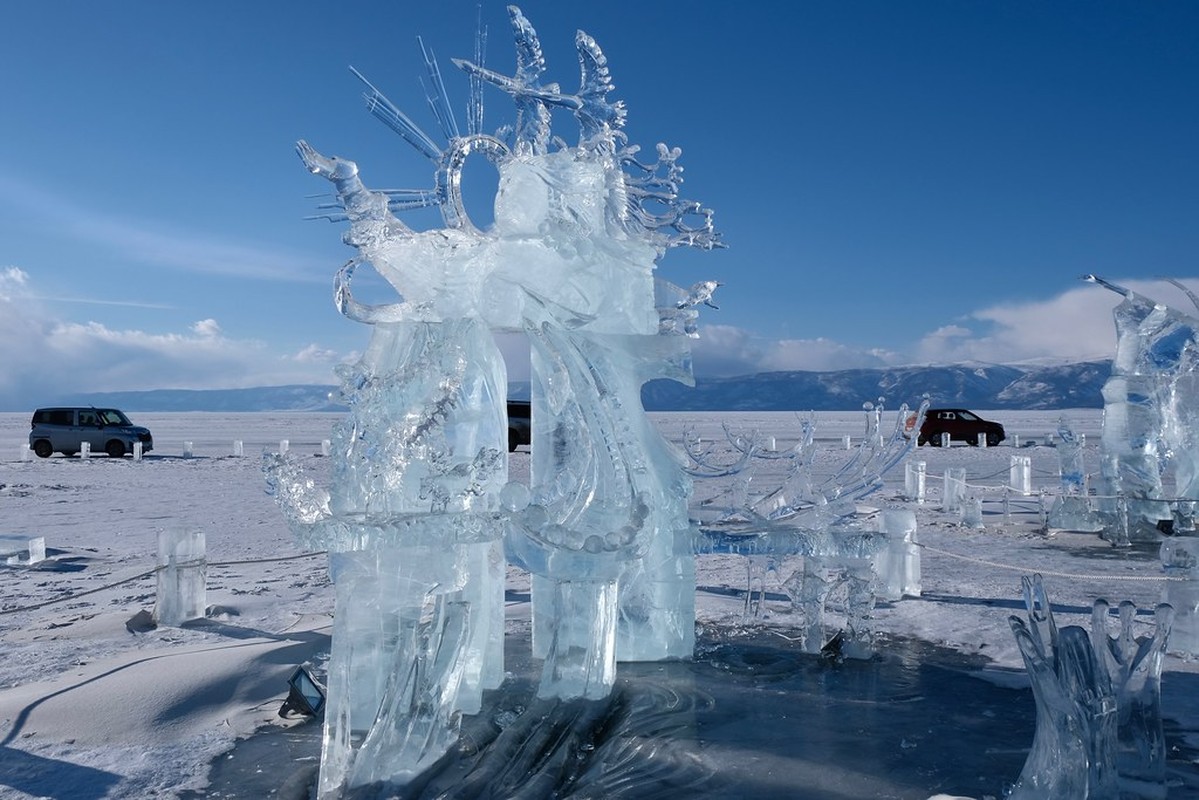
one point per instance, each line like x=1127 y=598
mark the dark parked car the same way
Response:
x=961 y=425
x=520 y=423
x=64 y=430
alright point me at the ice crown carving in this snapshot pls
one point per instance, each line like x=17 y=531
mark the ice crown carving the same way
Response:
x=639 y=199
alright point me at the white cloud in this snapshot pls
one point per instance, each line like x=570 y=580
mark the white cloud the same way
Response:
x=45 y=357
x=1075 y=325
x=315 y=354
x=206 y=328
x=724 y=350
x=13 y=282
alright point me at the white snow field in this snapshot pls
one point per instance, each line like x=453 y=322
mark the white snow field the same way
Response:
x=96 y=703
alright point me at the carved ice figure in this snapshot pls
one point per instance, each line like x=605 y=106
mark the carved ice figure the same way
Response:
x=608 y=502
x=816 y=517
x=1074 y=747
x=419 y=491
x=1099 y=728
x=411 y=520
x=1134 y=665
x=1151 y=410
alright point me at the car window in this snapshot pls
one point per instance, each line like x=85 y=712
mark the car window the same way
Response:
x=60 y=416
x=88 y=418
x=113 y=417
x=968 y=416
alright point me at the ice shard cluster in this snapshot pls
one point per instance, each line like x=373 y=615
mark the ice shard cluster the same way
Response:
x=420 y=516
x=1098 y=726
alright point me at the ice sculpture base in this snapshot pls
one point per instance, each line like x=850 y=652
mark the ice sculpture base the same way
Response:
x=839 y=555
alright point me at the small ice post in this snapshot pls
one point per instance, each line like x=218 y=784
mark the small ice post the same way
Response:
x=37 y=549
x=971 y=514
x=898 y=564
x=914 y=475
x=1020 y=475
x=182 y=577
x=954 y=490
x=1072 y=509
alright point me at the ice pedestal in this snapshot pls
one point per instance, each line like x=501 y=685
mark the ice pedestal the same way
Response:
x=954 y=490
x=1020 y=474
x=182 y=577
x=405 y=663
x=898 y=563
x=971 y=513
x=1073 y=512
x=914 y=474
x=581 y=656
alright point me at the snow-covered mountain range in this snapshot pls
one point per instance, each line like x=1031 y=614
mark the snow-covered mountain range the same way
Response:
x=978 y=386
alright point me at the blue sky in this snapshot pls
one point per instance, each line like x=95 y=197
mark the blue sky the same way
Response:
x=896 y=182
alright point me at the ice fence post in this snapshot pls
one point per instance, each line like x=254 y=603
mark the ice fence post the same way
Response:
x=182 y=577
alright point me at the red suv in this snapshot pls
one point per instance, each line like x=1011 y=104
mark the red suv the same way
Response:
x=961 y=425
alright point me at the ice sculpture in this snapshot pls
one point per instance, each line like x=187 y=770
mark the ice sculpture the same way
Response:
x=419 y=499
x=1072 y=509
x=1150 y=414
x=815 y=516
x=1099 y=729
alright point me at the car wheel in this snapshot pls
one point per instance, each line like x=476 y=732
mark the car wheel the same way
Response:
x=115 y=449
x=43 y=448
x=934 y=439
x=992 y=439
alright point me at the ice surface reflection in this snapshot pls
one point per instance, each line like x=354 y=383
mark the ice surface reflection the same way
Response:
x=752 y=716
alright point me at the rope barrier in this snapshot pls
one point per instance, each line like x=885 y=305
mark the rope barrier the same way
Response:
x=143 y=575
x=1031 y=571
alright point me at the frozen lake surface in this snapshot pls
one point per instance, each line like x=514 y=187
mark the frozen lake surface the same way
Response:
x=93 y=705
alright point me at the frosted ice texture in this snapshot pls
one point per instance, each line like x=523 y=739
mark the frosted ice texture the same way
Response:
x=1072 y=508
x=1151 y=412
x=815 y=516
x=419 y=500
x=182 y=577
x=1099 y=727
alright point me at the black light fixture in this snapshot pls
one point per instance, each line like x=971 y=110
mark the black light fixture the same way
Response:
x=306 y=697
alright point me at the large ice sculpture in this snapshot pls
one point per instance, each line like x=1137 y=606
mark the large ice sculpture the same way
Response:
x=1150 y=414
x=419 y=499
x=1099 y=728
